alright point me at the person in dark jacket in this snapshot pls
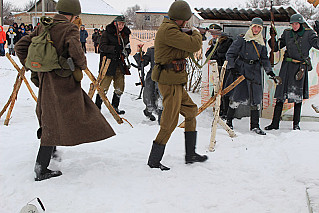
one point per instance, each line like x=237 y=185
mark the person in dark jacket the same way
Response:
x=83 y=35
x=152 y=97
x=294 y=69
x=12 y=40
x=115 y=47
x=223 y=44
x=246 y=56
x=96 y=40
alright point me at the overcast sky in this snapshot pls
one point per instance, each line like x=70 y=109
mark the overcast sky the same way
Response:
x=122 y=5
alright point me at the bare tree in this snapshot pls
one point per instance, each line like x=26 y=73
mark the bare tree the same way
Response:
x=8 y=8
x=28 y=5
x=130 y=15
x=308 y=11
x=265 y=3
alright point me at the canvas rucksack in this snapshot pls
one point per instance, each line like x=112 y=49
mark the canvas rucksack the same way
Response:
x=42 y=55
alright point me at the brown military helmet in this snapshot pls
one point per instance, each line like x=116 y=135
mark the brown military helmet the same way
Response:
x=72 y=7
x=180 y=10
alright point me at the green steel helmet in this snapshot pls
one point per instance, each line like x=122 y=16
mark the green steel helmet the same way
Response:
x=69 y=7
x=296 y=18
x=215 y=27
x=119 y=19
x=257 y=21
x=180 y=10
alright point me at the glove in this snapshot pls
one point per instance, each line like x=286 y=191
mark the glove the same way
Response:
x=77 y=74
x=316 y=27
x=276 y=79
x=234 y=72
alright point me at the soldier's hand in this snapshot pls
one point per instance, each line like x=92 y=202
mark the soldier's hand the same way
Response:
x=316 y=27
x=277 y=80
x=77 y=74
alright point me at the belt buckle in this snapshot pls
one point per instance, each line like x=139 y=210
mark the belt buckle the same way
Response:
x=251 y=61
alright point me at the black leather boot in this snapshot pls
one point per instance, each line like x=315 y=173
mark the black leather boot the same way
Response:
x=296 y=119
x=156 y=155
x=254 y=122
x=149 y=114
x=42 y=162
x=230 y=117
x=98 y=101
x=116 y=102
x=276 y=116
x=190 y=146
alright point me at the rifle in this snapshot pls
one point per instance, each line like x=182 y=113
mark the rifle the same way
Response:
x=124 y=54
x=203 y=31
x=141 y=75
x=272 y=35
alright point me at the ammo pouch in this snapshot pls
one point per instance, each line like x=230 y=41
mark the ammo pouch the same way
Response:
x=177 y=65
x=65 y=70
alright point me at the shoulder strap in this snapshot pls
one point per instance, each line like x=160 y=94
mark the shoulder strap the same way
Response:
x=256 y=49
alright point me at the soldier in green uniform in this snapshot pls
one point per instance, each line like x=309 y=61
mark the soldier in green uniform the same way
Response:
x=294 y=69
x=172 y=46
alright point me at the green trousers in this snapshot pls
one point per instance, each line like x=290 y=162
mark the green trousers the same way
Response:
x=175 y=101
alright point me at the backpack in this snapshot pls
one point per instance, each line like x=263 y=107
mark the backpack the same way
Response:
x=42 y=55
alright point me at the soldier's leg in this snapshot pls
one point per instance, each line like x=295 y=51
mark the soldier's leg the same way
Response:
x=119 y=85
x=254 y=120
x=189 y=111
x=41 y=166
x=105 y=84
x=276 y=116
x=149 y=97
x=172 y=98
x=297 y=112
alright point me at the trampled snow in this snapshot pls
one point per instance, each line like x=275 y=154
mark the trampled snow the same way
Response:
x=250 y=173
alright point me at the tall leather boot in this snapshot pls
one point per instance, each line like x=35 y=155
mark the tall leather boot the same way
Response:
x=296 y=119
x=276 y=116
x=98 y=101
x=156 y=155
x=41 y=166
x=116 y=102
x=190 y=145
x=254 y=122
x=230 y=117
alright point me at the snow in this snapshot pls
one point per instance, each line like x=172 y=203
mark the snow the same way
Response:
x=249 y=173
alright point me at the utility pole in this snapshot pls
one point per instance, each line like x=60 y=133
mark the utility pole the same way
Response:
x=43 y=7
x=1 y=1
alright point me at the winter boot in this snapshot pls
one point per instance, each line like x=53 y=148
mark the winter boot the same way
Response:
x=254 y=122
x=230 y=117
x=190 y=146
x=276 y=117
x=42 y=162
x=156 y=155
x=149 y=115
x=296 y=119
x=116 y=102
x=98 y=101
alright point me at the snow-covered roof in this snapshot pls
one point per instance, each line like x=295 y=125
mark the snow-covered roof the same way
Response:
x=96 y=7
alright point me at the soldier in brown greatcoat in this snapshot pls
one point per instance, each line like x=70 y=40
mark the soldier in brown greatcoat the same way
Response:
x=67 y=116
x=172 y=46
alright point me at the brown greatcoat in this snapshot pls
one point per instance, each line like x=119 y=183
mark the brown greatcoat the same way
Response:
x=67 y=116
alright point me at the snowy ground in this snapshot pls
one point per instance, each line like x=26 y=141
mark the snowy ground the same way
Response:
x=249 y=173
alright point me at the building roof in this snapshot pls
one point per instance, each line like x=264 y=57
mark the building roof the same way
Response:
x=94 y=7
x=281 y=14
